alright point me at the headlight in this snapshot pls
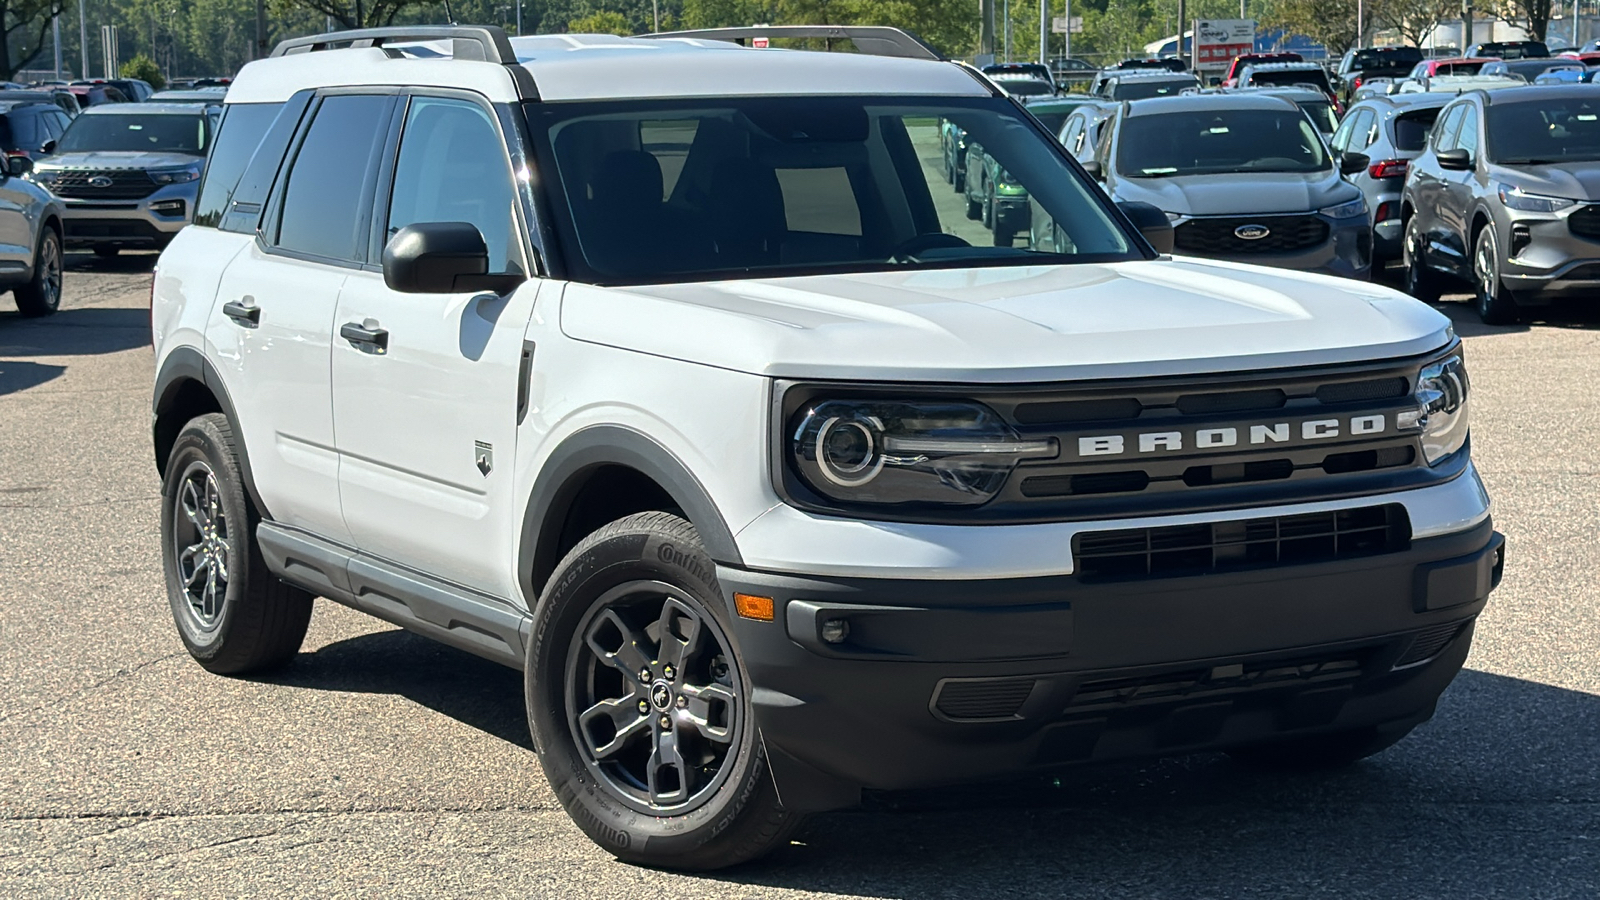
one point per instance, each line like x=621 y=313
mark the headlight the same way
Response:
x=43 y=176
x=175 y=176
x=1175 y=218
x=1356 y=207
x=1515 y=198
x=878 y=451
x=1441 y=413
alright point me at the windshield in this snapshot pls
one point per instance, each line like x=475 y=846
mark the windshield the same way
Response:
x=690 y=190
x=1460 y=68
x=136 y=132
x=1314 y=77
x=1026 y=87
x=1541 y=131
x=1400 y=58
x=1144 y=90
x=1321 y=113
x=1411 y=129
x=1216 y=141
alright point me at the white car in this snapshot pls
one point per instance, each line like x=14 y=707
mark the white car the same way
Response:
x=696 y=408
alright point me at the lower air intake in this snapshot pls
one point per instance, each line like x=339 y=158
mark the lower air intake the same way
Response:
x=982 y=700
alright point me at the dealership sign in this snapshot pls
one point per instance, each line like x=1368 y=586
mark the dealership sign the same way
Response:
x=1218 y=41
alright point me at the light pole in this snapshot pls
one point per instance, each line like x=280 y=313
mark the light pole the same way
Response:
x=83 y=42
x=1044 y=33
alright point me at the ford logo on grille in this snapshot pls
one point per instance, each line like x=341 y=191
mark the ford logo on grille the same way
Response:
x=100 y=181
x=1251 y=232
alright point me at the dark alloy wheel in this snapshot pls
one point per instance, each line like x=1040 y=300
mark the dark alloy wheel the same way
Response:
x=1495 y=304
x=1421 y=281
x=201 y=545
x=640 y=706
x=41 y=294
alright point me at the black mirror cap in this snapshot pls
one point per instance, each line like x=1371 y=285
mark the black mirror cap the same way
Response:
x=1457 y=159
x=18 y=166
x=441 y=258
x=48 y=148
x=1352 y=163
x=1094 y=170
x=1151 y=222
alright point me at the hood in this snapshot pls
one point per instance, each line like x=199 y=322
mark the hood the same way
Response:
x=1574 y=180
x=1239 y=194
x=1020 y=324
x=107 y=159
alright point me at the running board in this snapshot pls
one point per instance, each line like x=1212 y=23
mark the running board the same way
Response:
x=450 y=614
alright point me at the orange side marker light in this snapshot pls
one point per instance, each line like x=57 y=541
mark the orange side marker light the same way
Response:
x=750 y=606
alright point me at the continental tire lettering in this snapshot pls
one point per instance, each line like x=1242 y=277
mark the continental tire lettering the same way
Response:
x=602 y=831
x=685 y=560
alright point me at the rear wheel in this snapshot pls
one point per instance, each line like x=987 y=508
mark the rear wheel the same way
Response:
x=41 y=296
x=1494 y=303
x=1421 y=281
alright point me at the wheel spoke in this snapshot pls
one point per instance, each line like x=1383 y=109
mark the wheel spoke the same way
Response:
x=194 y=561
x=189 y=499
x=703 y=703
x=626 y=719
x=630 y=658
x=667 y=788
x=680 y=634
x=219 y=561
x=209 y=598
x=213 y=501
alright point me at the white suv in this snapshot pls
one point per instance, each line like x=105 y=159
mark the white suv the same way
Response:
x=712 y=414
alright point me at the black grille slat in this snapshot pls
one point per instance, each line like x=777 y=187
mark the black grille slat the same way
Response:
x=1286 y=234
x=1283 y=540
x=1362 y=391
x=1427 y=644
x=1231 y=401
x=972 y=700
x=126 y=184
x=1168 y=687
x=1585 y=223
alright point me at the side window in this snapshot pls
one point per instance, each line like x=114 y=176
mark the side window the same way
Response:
x=1444 y=133
x=245 y=123
x=452 y=168
x=25 y=130
x=1341 y=137
x=1467 y=136
x=321 y=211
x=1372 y=132
x=1102 y=149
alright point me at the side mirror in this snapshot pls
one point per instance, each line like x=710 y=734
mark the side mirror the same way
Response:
x=1151 y=222
x=48 y=148
x=18 y=166
x=1352 y=163
x=441 y=258
x=1457 y=159
x=1094 y=170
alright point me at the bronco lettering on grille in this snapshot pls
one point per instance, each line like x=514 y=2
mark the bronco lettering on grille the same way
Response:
x=1290 y=433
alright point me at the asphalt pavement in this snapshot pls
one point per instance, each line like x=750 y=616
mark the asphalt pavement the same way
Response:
x=381 y=765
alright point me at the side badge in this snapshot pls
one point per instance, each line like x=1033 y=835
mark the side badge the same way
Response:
x=484 y=455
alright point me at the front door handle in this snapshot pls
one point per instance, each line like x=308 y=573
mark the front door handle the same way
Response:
x=244 y=311
x=366 y=334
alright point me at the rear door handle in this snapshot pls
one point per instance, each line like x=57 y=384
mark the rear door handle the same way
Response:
x=363 y=335
x=244 y=311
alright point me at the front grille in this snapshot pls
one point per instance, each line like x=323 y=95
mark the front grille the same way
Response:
x=1218 y=237
x=1193 y=684
x=1585 y=222
x=982 y=700
x=126 y=184
x=1202 y=403
x=1427 y=644
x=1176 y=550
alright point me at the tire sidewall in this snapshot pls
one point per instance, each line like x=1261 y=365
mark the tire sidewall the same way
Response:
x=575 y=586
x=1490 y=300
x=201 y=441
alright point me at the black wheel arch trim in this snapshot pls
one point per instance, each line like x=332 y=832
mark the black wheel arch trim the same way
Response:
x=183 y=365
x=563 y=474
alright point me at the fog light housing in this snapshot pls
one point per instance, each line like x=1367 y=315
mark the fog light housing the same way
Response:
x=167 y=207
x=1521 y=237
x=835 y=631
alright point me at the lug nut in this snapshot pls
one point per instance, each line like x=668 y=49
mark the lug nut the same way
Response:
x=644 y=706
x=683 y=702
x=644 y=676
x=666 y=722
x=670 y=673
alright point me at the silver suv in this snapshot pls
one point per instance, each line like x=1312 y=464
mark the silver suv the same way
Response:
x=30 y=240
x=127 y=173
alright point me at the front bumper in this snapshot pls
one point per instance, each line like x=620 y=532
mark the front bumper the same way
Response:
x=950 y=681
x=148 y=223
x=1551 y=262
x=1347 y=252
x=1011 y=213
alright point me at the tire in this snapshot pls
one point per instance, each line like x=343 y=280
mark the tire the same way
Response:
x=1320 y=751
x=1003 y=237
x=233 y=614
x=1494 y=303
x=634 y=574
x=974 y=208
x=106 y=251
x=41 y=296
x=1421 y=282
x=987 y=210
x=961 y=177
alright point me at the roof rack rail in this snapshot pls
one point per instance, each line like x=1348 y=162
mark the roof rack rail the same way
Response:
x=873 y=40
x=484 y=43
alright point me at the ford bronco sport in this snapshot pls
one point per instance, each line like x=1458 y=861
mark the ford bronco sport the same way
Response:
x=712 y=415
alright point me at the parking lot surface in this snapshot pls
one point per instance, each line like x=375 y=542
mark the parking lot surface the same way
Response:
x=381 y=765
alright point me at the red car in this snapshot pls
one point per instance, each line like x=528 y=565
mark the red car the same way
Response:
x=1451 y=65
x=1239 y=62
x=1591 y=59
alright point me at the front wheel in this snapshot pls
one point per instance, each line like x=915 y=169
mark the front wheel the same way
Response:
x=41 y=295
x=1495 y=304
x=1421 y=281
x=640 y=706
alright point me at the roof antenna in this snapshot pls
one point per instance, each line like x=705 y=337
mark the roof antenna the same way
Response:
x=449 y=17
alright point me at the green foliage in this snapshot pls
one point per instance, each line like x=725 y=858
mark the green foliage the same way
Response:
x=145 y=69
x=25 y=23
x=603 y=22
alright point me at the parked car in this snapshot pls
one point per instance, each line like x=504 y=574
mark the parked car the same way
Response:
x=127 y=174
x=1065 y=69
x=134 y=89
x=1034 y=71
x=1526 y=69
x=1566 y=75
x=994 y=197
x=1449 y=65
x=1509 y=49
x=1127 y=66
x=1359 y=64
x=1316 y=104
x=1242 y=176
x=30 y=127
x=1455 y=84
x=953 y=147
x=1024 y=88
x=1081 y=132
x=30 y=240
x=1052 y=112
x=62 y=98
x=1142 y=85
x=202 y=96
x=1390 y=131
x=1289 y=75
x=1230 y=77
x=1507 y=199
x=97 y=94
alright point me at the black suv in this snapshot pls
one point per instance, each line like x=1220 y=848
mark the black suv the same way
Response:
x=1373 y=62
x=30 y=128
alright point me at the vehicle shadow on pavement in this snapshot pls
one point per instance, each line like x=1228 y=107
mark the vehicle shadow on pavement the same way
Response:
x=1569 y=315
x=122 y=262
x=70 y=332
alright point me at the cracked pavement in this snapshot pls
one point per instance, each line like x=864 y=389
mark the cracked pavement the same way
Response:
x=380 y=765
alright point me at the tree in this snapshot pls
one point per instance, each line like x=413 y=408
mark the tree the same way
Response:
x=355 y=14
x=145 y=69
x=1413 y=19
x=1328 y=22
x=603 y=22
x=1535 y=12
x=26 y=23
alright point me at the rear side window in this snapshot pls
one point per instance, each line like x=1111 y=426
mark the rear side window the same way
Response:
x=326 y=198
x=243 y=125
x=1411 y=129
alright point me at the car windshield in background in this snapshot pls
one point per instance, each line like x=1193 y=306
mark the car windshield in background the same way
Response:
x=1026 y=87
x=1411 y=129
x=1399 y=60
x=1218 y=141
x=1533 y=68
x=1144 y=90
x=1281 y=78
x=690 y=190
x=135 y=132
x=1548 y=130
x=1460 y=68
x=1321 y=113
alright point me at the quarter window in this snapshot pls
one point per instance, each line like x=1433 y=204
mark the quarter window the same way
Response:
x=246 y=124
x=1467 y=136
x=1444 y=134
x=327 y=188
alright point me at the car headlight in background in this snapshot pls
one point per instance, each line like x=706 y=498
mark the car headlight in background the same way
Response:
x=175 y=176
x=886 y=452
x=1356 y=207
x=43 y=176
x=1515 y=198
x=1441 y=413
